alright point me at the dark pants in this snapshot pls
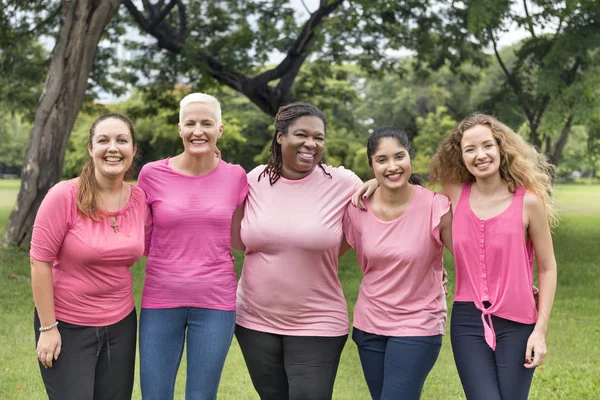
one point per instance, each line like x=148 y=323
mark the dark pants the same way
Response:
x=396 y=367
x=291 y=367
x=487 y=374
x=95 y=363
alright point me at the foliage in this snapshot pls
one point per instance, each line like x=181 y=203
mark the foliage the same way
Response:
x=22 y=57
x=575 y=153
x=551 y=69
x=433 y=127
x=14 y=136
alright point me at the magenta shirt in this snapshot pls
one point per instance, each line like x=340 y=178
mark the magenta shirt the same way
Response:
x=494 y=263
x=401 y=293
x=90 y=262
x=189 y=256
x=293 y=232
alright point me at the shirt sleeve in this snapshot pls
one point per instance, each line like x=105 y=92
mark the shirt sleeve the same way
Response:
x=353 y=180
x=440 y=206
x=147 y=230
x=144 y=184
x=243 y=192
x=349 y=226
x=52 y=222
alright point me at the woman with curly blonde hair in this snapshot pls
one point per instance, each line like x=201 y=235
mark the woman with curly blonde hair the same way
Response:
x=500 y=190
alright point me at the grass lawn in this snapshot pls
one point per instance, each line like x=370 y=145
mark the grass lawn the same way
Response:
x=571 y=370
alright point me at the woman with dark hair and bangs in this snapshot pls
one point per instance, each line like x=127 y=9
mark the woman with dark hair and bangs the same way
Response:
x=292 y=317
x=87 y=234
x=400 y=313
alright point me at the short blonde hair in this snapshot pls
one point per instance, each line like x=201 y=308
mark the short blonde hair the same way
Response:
x=200 y=98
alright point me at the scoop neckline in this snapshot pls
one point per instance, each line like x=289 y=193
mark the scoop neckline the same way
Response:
x=490 y=218
x=166 y=164
x=418 y=189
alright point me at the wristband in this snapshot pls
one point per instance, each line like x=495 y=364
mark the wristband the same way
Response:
x=47 y=328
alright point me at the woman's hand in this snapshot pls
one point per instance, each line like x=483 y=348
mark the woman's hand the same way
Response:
x=364 y=192
x=536 y=349
x=48 y=347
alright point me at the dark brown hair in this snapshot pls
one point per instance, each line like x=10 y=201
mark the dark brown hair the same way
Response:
x=400 y=136
x=285 y=117
x=87 y=204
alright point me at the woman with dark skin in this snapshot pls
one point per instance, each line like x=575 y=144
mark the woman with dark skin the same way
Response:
x=292 y=320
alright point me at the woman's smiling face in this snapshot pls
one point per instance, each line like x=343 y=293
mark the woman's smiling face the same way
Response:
x=302 y=147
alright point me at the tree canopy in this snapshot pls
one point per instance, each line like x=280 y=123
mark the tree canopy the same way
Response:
x=342 y=55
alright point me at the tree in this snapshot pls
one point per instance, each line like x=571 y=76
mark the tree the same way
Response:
x=432 y=127
x=249 y=30
x=64 y=90
x=13 y=142
x=549 y=68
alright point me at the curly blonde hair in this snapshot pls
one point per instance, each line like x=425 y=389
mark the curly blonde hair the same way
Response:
x=520 y=163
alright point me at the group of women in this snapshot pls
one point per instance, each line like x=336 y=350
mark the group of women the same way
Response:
x=293 y=220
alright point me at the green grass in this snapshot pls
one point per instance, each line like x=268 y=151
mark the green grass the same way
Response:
x=571 y=369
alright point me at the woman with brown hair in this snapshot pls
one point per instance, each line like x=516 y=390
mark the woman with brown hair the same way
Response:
x=88 y=232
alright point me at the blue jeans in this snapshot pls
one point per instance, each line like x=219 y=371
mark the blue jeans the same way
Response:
x=162 y=336
x=486 y=374
x=396 y=367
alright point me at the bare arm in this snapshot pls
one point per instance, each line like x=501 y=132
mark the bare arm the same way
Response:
x=344 y=247
x=539 y=233
x=452 y=191
x=49 y=343
x=446 y=230
x=236 y=223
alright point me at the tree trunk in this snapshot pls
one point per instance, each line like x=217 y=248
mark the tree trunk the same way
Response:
x=67 y=80
x=556 y=154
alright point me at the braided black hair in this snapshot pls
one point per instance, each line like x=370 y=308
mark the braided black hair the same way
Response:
x=285 y=117
x=400 y=136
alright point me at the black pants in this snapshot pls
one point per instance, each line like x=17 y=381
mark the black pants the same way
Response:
x=291 y=367
x=486 y=374
x=95 y=363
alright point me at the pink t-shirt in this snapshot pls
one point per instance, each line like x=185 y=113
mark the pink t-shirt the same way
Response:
x=189 y=255
x=494 y=263
x=293 y=233
x=90 y=262
x=401 y=293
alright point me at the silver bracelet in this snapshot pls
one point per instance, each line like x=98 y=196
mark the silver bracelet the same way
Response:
x=47 y=328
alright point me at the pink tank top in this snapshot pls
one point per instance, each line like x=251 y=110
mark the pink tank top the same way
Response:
x=494 y=263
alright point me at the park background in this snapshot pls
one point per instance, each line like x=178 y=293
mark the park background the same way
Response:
x=418 y=65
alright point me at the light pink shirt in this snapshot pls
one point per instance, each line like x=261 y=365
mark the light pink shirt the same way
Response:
x=189 y=256
x=494 y=263
x=90 y=262
x=401 y=293
x=293 y=233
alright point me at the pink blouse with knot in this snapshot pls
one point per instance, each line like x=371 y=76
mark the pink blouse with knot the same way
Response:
x=494 y=263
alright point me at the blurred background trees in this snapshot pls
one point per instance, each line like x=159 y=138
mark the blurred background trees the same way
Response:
x=419 y=65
